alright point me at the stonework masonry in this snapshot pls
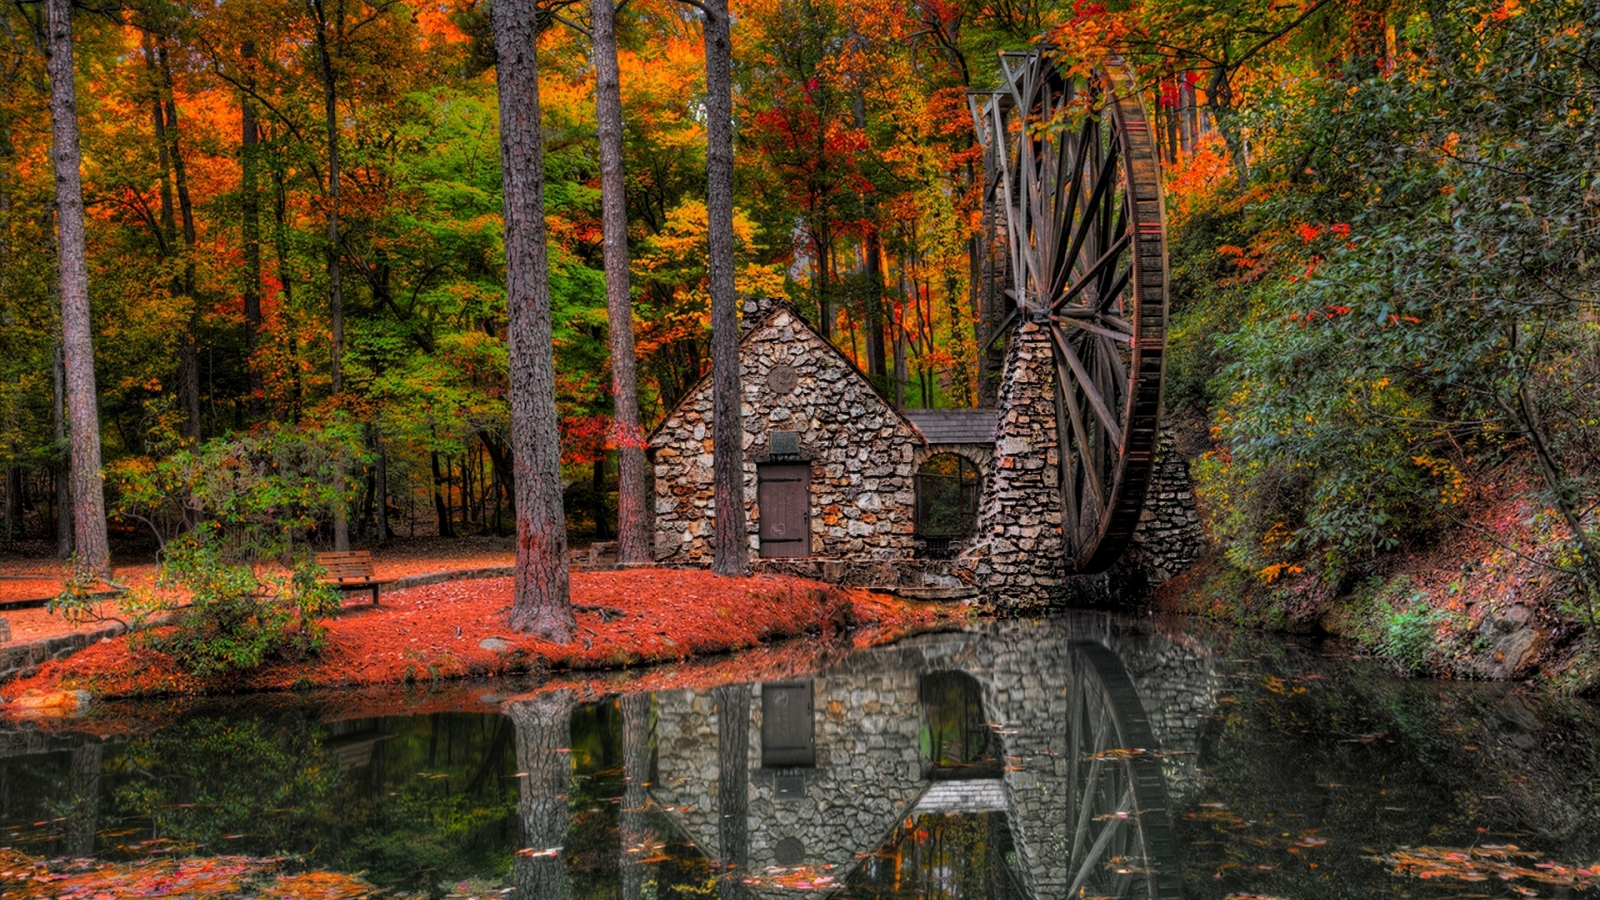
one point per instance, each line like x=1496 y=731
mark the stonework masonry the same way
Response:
x=1168 y=538
x=1017 y=551
x=859 y=449
x=862 y=455
x=870 y=772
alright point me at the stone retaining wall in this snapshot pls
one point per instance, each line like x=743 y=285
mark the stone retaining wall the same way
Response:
x=22 y=658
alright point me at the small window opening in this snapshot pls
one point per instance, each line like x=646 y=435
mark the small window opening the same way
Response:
x=947 y=503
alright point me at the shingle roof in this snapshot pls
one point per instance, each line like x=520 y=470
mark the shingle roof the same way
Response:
x=954 y=426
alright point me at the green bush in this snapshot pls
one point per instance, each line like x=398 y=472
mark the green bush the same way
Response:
x=239 y=618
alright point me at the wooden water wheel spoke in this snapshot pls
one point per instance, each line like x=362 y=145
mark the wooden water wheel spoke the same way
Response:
x=1093 y=274
x=1090 y=390
x=1079 y=195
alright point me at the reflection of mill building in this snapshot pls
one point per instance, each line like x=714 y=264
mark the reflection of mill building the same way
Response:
x=942 y=724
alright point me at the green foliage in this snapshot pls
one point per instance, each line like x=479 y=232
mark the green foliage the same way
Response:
x=1395 y=621
x=239 y=618
x=76 y=603
x=259 y=493
x=1412 y=255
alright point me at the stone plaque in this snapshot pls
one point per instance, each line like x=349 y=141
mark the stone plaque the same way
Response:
x=784 y=443
x=782 y=379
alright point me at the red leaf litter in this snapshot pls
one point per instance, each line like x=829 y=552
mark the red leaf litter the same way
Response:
x=458 y=629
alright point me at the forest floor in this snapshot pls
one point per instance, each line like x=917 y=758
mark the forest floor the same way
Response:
x=458 y=629
x=30 y=578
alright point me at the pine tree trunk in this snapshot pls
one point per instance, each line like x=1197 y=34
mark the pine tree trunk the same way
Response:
x=733 y=787
x=88 y=494
x=632 y=824
x=731 y=541
x=633 y=517
x=330 y=114
x=383 y=485
x=544 y=740
x=542 y=605
x=189 y=370
x=250 y=233
x=63 y=467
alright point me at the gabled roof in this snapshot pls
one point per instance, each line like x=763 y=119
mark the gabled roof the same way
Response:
x=748 y=330
x=955 y=426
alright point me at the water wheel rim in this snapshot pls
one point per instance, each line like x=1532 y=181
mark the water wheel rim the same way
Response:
x=1085 y=224
x=1122 y=841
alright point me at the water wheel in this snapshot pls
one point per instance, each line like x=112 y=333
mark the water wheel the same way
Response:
x=1075 y=202
x=1121 y=843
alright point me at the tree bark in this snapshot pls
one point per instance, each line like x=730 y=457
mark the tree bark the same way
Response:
x=250 y=234
x=542 y=604
x=88 y=759
x=733 y=788
x=330 y=113
x=731 y=541
x=632 y=825
x=189 y=368
x=88 y=494
x=633 y=518
x=63 y=467
x=544 y=737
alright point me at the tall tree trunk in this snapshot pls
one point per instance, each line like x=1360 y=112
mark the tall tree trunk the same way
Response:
x=544 y=740
x=633 y=518
x=330 y=115
x=733 y=787
x=632 y=823
x=542 y=604
x=872 y=249
x=441 y=490
x=88 y=494
x=290 y=409
x=189 y=369
x=383 y=485
x=88 y=759
x=731 y=540
x=63 y=467
x=250 y=234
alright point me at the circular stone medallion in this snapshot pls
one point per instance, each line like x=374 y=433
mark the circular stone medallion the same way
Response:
x=782 y=379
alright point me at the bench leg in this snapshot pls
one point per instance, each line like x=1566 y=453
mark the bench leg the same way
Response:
x=374 y=595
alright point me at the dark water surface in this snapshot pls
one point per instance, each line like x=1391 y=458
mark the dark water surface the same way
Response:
x=1084 y=757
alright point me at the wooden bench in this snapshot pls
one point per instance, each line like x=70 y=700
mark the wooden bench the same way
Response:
x=352 y=571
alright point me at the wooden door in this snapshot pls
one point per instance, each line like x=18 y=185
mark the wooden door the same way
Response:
x=783 y=495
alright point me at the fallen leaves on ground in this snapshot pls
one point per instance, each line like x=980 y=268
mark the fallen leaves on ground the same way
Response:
x=459 y=629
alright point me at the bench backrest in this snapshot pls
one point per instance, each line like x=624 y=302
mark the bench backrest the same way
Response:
x=353 y=565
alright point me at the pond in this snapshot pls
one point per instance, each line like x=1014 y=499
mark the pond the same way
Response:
x=1077 y=757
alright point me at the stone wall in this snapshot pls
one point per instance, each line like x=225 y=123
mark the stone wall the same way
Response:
x=1168 y=537
x=1017 y=550
x=860 y=450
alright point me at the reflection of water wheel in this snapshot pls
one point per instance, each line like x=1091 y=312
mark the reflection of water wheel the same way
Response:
x=1121 y=843
x=1079 y=208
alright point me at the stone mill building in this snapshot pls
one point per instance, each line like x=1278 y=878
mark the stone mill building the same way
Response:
x=839 y=484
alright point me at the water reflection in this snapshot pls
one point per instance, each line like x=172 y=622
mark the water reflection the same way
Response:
x=1017 y=760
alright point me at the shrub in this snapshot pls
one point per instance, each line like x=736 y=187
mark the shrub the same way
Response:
x=239 y=618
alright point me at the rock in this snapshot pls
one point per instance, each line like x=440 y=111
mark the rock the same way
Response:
x=495 y=644
x=51 y=703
